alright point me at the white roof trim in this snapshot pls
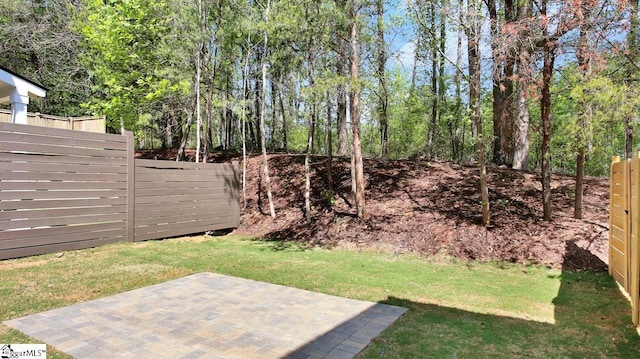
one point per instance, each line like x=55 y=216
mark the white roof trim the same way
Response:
x=11 y=83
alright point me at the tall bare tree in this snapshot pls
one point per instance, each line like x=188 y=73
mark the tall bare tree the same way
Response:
x=473 y=29
x=582 y=53
x=522 y=34
x=311 y=131
x=342 y=51
x=263 y=140
x=632 y=68
x=383 y=92
x=501 y=13
x=356 y=152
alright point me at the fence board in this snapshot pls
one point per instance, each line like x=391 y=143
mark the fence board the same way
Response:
x=91 y=124
x=64 y=168
x=78 y=195
x=27 y=223
x=634 y=247
x=63 y=231
x=75 y=160
x=624 y=229
x=56 y=203
x=168 y=185
x=182 y=205
x=30 y=147
x=63 y=212
x=60 y=185
x=618 y=219
x=184 y=191
x=57 y=176
x=60 y=246
x=93 y=142
x=170 y=217
x=172 y=176
x=117 y=233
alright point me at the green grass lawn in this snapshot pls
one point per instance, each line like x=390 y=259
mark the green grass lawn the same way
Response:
x=456 y=309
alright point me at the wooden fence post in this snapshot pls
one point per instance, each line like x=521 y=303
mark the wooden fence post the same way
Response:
x=627 y=230
x=131 y=180
x=634 y=246
x=235 y=166
x=614 y=160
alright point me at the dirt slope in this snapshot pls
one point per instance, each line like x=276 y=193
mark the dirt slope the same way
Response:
x=432 y=208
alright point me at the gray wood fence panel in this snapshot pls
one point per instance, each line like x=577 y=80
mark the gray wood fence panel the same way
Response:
x=177 y=198
x=60 y=189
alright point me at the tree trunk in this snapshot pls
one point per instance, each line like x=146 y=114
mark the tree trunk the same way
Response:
x=442 y=96
x=283 y=118
x=263 y=140
x=226 y=121
x=307 y=164
x=545 y=112
x=245 y=76
x=521 y=152
x=382 y=77
x=632 y=45
x=473 y=52
x=259 y=94
x=628 y=137
x=208 y=99
x=341 y=92
x=274 y=110
x=226 y=140
x=329 y=146
x=310 y=134
x=198 y=115
x=342 y=49
x=416 y=61
x=503 y=86
x=358 y=168
x=168 y=135
x=459 y=150
x=521 y=148
x=434 y=82
x=206 y=126
x=577 y=212
x=582 y=55
x=503 y=117
x=632 y=35
x=183 y=141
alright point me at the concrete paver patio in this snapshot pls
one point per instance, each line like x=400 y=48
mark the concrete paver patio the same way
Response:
x=210 y=315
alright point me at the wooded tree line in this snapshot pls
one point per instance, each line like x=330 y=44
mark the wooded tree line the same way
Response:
x=541 y=85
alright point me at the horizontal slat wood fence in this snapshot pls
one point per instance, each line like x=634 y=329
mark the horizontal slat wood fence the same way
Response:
x=173 y=198
x=89 y=124
x=62 y=190
x=624 y=229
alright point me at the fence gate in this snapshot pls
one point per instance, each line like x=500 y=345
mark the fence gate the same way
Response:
x=624 y=228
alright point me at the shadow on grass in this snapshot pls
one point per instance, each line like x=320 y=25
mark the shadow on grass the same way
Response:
x=591 y=320
x=277 y=245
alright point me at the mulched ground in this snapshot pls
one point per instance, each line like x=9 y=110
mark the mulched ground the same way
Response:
x=430 y=208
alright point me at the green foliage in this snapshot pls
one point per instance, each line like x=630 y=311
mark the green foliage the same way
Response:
x=134 y=61
x=329 y=196
x=407 y=120
x=138 y=61
x=37 y=43
x=590 y=113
